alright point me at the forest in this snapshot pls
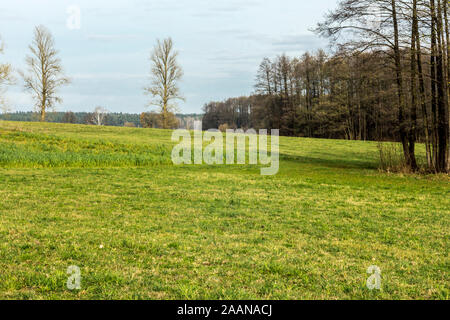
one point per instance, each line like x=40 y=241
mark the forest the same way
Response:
x=385 y=77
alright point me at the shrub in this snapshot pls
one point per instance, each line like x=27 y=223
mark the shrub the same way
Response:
x=391 y=157
x=224 y=127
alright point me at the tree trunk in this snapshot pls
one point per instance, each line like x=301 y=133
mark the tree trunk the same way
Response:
x=412 y=131
x=43 y=104
x=423 y=97
x=42 y=114
x=447 y=41
x=441 y=91
x=447 y=44
x=400 y=94
x=434 y=99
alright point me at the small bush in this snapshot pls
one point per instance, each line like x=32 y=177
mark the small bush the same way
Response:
x=224 y=127
x=391 y=157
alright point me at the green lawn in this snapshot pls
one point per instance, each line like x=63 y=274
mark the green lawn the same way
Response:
x=109 y=201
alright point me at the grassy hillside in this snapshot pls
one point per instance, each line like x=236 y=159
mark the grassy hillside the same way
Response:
x=109 y=201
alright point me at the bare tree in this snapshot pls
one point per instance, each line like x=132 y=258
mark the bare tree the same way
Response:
x=165 y=74
x=6 y=78
x=45 y=71
x=264 y=78
x=98 y=116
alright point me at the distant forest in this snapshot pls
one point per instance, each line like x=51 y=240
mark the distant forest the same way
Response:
x=110 y=119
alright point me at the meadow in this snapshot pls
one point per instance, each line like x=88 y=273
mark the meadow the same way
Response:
x=110 y=201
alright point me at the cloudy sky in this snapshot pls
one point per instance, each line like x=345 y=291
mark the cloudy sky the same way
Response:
x=221 y=43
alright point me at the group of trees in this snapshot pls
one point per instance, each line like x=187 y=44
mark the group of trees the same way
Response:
x=234 y=113
x=45 y=76
x=415 y=36
x=340 y=96
x=345 y=96
x=386 y=80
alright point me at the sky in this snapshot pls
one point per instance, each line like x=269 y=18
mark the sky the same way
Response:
x=220 y=42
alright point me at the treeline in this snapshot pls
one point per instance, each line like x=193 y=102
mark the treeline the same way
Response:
x=315 y=95
x=386 y=80
x=110 y=119
x=169 y=120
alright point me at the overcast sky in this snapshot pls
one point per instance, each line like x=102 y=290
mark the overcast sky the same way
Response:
x=221 y=43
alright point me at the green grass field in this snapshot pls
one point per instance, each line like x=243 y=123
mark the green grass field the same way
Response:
x=110 y=201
